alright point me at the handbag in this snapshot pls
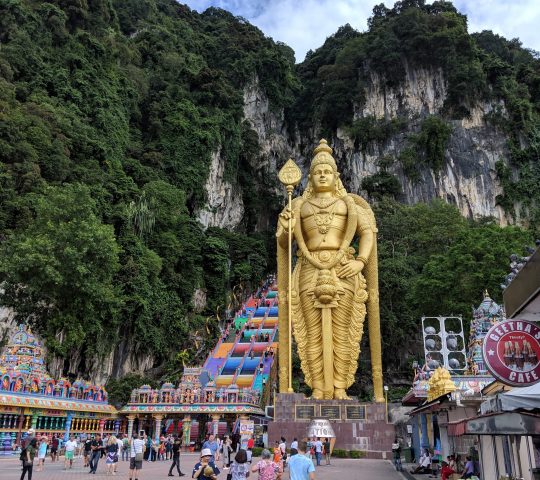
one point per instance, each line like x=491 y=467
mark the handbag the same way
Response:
x=139 y=457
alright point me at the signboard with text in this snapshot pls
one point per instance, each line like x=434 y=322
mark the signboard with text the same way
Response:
x=512 y=352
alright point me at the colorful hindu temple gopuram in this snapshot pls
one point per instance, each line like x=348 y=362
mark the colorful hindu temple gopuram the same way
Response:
x=226 y=394
x=31 y=398
x=443 y=398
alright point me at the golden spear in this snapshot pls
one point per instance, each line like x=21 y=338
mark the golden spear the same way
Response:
x=290 y=176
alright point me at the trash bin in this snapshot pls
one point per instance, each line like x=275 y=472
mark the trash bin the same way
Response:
x=408 y=454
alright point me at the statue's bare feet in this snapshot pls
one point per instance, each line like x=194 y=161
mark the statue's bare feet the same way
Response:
x=317 y=394
x=341 y=394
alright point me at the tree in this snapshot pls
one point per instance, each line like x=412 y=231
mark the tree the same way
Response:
x=58 y=272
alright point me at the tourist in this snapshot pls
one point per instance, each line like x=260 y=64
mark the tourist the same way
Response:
x=176 y=444
x=267 y=469
x=213 y=446
x=27 y=457
x=96 y=446
x=31 y=434
x=283 y=448
x=300 y=466
x=168 y=448
x=294 y=446
x=239 y=467
x=120 y=444
x=161 y=449
x=277 y=453
x=227 y=450
x=54 y=447
x=70 y=447
x=205 y=469
x=125 y=448
x=42 y=453
x=136 y=453
x=396 y=452
x=468 y=470
x=424 y=464
x=446 y=471
x=112 y=454
x=86 y=451
x=327 y=450
x=318 y=451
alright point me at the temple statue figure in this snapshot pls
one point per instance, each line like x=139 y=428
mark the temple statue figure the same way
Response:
x=333 y=286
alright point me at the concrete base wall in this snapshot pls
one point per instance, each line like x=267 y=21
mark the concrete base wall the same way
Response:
x=370 y=434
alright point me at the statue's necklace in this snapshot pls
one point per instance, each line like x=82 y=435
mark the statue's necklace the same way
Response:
x=323 y=202
x=323 y=219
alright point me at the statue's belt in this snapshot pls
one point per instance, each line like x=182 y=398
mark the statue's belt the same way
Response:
x=327 y=256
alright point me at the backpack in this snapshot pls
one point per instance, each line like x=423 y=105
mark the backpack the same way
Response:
x=22 y=456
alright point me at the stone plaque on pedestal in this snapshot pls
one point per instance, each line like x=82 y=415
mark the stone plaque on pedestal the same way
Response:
x=331 y=412
x=355 y=412
x=304 y=412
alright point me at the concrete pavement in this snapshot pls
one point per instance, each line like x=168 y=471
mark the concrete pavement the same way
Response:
x=346 y=469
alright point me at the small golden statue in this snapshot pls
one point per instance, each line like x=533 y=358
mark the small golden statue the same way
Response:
x=330 y=287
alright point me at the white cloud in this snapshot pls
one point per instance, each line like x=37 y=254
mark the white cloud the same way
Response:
x=305 y=24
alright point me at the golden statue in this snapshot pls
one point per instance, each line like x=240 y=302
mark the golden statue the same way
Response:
x=331 y=288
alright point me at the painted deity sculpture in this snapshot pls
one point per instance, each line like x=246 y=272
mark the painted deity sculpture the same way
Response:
x=333 y=287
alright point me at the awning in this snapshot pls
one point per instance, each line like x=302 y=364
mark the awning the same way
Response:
x=433 y=406
x=456 y=429
x=507 y=423
x=527 y=398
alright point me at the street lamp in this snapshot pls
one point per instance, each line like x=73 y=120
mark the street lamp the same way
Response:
x=386 y=400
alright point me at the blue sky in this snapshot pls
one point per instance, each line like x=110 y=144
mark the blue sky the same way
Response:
x=305 y=24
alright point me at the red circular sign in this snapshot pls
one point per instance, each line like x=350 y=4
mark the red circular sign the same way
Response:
x=512 y=352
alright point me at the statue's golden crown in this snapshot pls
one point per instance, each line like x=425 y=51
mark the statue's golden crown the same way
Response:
x=323 y=155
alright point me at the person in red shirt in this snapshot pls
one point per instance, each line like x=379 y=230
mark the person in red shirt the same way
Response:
x=250 y=443
x=446 y=471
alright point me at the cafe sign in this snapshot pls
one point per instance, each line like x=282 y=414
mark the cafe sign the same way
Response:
x=512 y=352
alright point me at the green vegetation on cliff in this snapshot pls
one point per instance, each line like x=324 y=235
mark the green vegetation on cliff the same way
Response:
x=109 y=115
x=110 y=112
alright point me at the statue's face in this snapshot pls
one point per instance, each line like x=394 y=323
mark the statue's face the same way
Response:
x=323 y=178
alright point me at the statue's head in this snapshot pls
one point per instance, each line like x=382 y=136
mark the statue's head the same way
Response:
x=323 y=174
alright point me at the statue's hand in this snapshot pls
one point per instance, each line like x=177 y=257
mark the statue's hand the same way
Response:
x=350 y=269
x=284 y=219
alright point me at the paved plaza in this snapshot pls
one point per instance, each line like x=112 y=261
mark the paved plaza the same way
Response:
x=349 y=469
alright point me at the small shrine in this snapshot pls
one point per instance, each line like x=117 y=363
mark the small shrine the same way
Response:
x=439 y=384
x=31 y=398
x=485 y=316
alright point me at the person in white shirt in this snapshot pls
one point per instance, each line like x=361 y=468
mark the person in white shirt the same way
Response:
x=70 y=446
x=318 y=451
x=424 y=464
x=136 y=456
x=120 y=444
x=294 y=446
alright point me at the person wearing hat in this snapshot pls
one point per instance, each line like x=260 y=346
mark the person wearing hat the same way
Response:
x=205 y=469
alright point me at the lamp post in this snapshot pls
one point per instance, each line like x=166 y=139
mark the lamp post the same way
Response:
x=386 y=400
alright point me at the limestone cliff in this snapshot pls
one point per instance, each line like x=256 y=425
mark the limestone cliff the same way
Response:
x=467 y=180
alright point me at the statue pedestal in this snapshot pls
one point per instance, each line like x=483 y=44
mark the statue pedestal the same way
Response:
x=358 y=426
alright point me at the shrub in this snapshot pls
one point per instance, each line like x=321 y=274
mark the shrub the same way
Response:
x=339 y=453
x=257 y=451
x=357 y=454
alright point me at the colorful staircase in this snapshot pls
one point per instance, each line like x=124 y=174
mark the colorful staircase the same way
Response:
x=236 y=359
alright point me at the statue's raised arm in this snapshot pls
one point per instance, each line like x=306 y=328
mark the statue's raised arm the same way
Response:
x=331 y=283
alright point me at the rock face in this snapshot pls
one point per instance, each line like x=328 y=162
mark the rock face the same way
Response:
x=467 y=180
x=224 y=207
